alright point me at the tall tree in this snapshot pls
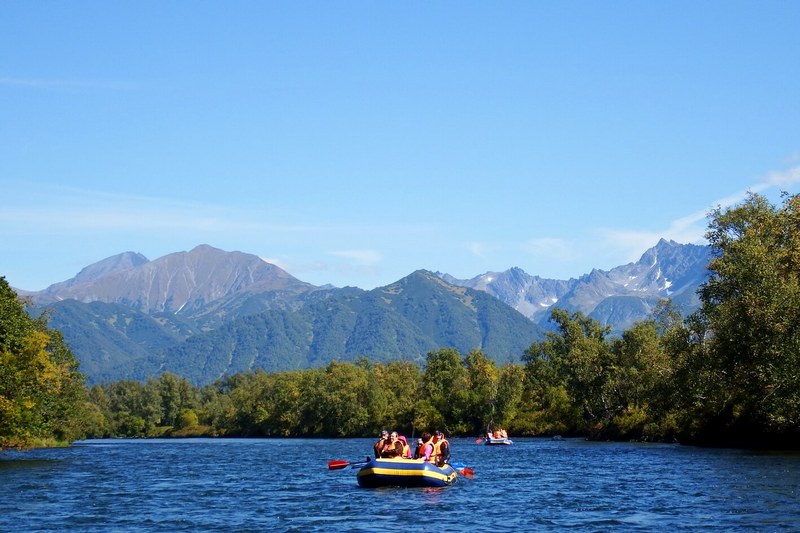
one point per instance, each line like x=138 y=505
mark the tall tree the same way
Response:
x=752 y=305
x=568 y=374
x=342 y=399
x=444 y=387
x=394 y=395
x=42 y=394
x=482 y=408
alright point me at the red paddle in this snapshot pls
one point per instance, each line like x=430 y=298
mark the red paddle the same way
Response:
x=467 y=472
x=338 y=464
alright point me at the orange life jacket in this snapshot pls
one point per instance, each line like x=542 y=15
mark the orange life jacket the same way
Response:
x=422 y=448
x=436 y=455
x=406 y=448
x=391 y=446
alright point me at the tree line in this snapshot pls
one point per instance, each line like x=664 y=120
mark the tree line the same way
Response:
x=728 y=374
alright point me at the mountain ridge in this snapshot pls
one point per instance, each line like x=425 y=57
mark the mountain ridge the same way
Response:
x=207 y=313
x=171 y=282
x=668 y=270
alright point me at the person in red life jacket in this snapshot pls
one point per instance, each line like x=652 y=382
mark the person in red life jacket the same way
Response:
x=378 y=447
x=424 y=447
x=441 y=449
x=392 y=448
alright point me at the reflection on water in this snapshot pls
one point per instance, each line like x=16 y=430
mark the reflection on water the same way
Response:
x=284 y=485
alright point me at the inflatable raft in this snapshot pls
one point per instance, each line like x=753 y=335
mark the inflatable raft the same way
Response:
x=405 y=473
x=492 y=441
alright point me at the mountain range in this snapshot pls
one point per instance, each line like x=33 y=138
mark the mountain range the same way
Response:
x=207 y=313
x=617 y=298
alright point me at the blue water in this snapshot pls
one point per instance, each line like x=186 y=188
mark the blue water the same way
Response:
x=284 y=485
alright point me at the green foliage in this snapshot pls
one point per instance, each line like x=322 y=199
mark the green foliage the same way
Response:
x=577 y=359
x=510 y=396
x=583 y=382
x=445 y=386
x=751 y=304
x=338 y=400
x=726 y=374
x=482 y=389
x=42 y=394
x=394 y=394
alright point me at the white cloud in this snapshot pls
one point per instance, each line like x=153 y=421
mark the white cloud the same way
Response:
x=117 y=217
x=360 y=257
x=64 y=209
x=480 y=249
x=277 y=262
x=692 y=227
x=558 y=249
x=783 y=178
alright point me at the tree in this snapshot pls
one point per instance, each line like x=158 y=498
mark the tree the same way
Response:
x=573 y=364
x=509 y=398
x=445 y=389
x=751 y=303
x=130 y=408
x=638 y=381
x=482 y=377
x=42 y=394
x=177 y=394
x=342 y=400
x=394 y=395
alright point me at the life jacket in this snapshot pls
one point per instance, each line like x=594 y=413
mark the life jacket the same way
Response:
x=436 y=455
x=418 y=450
x=406 y=448
x=378 y=447
x=392 y=447
x=427 y=445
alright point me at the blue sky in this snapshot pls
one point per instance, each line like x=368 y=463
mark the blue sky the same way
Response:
x=352 y=143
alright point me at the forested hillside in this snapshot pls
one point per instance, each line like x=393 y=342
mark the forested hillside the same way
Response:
x=724 y=376
x=260 y=330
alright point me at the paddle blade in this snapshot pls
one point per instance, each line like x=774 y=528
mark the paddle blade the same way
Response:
x=478 y=440
x=337 y=464
x=467 y=472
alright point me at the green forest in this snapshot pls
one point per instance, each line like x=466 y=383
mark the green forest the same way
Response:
x=727 y=375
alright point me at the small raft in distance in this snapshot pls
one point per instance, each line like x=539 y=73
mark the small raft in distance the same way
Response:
x=405 y=473
x=495 y=441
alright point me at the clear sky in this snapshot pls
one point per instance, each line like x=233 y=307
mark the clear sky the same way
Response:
x=353 y=143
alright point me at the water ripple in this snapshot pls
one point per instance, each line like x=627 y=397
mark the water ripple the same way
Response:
x=284 y=485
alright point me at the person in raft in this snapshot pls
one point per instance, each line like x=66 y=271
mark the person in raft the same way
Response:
x=424 y=447
x=406 y=448
x=441 y=449
x=378 y=447
x=393 y=447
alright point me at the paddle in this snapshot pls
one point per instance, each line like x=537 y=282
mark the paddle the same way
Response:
x=478 y=440
x=464 y=470
x=338 y=464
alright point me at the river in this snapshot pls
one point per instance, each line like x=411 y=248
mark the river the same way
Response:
x=284 y=485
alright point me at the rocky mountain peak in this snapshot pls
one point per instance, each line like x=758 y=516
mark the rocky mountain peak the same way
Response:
x=667 y=270
x=168 y=284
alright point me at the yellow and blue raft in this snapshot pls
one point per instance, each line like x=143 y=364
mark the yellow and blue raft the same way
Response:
x=400 y=472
